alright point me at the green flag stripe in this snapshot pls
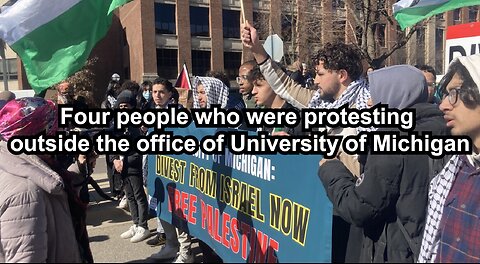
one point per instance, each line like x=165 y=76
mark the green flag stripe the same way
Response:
x=55 y=50
x=407 y=17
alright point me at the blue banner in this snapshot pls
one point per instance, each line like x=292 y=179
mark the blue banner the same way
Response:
x=248 y=208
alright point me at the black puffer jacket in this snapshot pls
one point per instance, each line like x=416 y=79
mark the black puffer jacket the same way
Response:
x=132 y=161
x=393 y=186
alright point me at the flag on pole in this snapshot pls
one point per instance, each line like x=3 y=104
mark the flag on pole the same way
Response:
x=54 y=38
x=410 y=12
x=183 y=80
x=2 y=50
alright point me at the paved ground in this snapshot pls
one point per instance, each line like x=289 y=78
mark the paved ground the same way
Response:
x=105 y=223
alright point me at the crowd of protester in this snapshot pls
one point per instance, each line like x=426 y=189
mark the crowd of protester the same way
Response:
x=387 y=208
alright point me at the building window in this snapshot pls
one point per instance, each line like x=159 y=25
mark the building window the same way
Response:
x=167 y=63
x=232 y=61
x=262 y=24
x=200 y=62
x=472 y=14
x=11 y=70
x=199 y=24
x=165 y=19
x=231 y=24
x=456 y=14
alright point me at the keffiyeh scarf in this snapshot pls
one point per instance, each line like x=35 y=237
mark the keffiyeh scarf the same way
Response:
x=357 y=93
x=217 y=92
x=437 y=195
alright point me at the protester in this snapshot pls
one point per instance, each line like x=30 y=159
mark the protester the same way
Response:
x=338 y=76
x=370 y=69
x=111 y=94
x=380 y=201
x=114 y=179
x=144 y=95
x=235 y=99
x=65 y=93
x=163 y=94
x=452 y=224
x=208 y=91
x=430 y=76
x=265 y=97
x=245 y=83
x=41 y=217
x=129 y=166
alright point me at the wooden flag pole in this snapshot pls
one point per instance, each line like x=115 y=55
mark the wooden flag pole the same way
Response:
x=242 y=9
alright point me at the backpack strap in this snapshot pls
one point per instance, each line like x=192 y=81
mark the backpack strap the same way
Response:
x=411 y=243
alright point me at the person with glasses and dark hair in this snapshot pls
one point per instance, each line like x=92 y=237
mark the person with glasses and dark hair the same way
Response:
x=430 y=76
x=452 y=227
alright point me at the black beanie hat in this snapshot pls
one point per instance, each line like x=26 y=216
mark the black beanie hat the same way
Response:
x=126 y=96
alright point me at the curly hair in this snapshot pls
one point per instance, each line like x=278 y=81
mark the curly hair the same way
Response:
x=256 y=74
x=340 y=56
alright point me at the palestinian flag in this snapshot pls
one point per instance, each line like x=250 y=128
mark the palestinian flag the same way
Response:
x=54 y=38
x=410 y=12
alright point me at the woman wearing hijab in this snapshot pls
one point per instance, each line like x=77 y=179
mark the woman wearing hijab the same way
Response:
x=41 y=217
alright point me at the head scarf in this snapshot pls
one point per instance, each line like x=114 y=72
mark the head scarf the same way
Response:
x=28 y=116
x=399 y=86
x=217 y=92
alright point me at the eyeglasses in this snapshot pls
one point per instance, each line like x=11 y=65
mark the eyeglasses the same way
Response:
x=239 y=78
x=453 y=95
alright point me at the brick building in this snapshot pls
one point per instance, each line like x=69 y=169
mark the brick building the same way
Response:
x=151 y=37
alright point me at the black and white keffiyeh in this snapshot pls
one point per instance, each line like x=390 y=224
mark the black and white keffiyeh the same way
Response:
x=357 y=93
x=217 y=92
x=437 y=195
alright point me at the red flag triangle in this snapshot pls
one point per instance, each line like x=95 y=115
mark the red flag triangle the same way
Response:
x=183 y=80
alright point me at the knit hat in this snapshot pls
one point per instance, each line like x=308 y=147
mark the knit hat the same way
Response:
x=126 y=96
x=399 y=86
